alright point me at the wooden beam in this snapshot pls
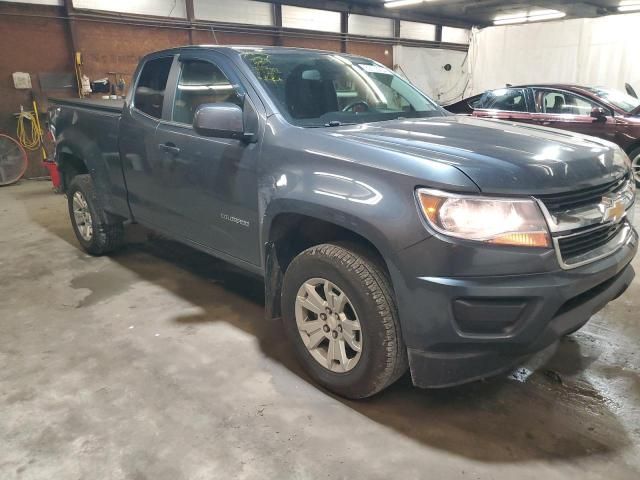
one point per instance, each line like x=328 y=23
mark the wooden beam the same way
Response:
x=344 y=30
x=277 y=23
x=191 y=16
x=73 y=34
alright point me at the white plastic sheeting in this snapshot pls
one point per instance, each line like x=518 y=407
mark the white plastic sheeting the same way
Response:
x=234 y=11
x=310 y=19
x=160 y=8
x=417 y=31
x=365 y=25
x=38 y=2
x=600 y=51
x=425 y=68
x=455 y=35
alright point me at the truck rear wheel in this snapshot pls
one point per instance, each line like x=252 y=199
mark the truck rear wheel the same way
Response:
x=340 y=313
x=96 y=232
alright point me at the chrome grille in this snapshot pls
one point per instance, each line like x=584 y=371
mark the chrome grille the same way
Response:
x=576 y=245
x=561 y=202
x=592 y=223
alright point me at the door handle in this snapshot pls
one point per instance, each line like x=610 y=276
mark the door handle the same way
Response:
x=169 y=148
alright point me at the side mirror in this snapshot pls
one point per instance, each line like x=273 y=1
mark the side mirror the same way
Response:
x=223 y=120
x=599 y=114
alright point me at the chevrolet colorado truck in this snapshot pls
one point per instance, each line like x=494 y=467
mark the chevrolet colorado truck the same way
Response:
x=390 y=234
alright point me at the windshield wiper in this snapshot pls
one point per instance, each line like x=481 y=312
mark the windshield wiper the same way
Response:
x=337 y=123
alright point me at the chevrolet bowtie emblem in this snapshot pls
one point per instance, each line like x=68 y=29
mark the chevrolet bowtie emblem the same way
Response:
x=613 y=209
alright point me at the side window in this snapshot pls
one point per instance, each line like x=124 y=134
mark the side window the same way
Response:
x=506 y=99
x=475 y=103
x=201 y=82
x=558 y=102
x=149 y=95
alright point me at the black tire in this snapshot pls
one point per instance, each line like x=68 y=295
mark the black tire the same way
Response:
x=383 y=356
x=634 y=155
x=108 y=233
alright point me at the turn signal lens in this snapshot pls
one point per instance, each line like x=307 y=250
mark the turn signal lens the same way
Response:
x=431 y=205
x=534 y=239
x=516 y=222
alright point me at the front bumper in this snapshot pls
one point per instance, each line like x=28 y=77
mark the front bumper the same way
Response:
x=459 y=329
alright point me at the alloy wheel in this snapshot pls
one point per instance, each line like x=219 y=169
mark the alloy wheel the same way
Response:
x=82 y=216
x=328 y=325
x=635 y=165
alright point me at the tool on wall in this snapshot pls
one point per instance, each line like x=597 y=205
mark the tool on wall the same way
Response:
x=101 y=85
x=30 y=138
x=82 y=80
x=118 y=83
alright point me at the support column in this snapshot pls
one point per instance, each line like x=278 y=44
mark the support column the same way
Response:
x=277 y=22
x=70 y=13
x=190 y=18
x=344 y=30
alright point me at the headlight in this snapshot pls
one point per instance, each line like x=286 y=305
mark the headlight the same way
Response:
x=493 y=220
x=620 y=158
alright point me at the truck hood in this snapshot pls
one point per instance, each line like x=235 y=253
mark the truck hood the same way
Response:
x=498 y=156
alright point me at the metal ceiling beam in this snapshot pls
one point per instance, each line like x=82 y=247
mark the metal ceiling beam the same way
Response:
x=376 y=11
x=472 y=12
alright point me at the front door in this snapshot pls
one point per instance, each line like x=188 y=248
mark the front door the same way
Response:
x=568 y=111
x=209 y=185
x=511 y=104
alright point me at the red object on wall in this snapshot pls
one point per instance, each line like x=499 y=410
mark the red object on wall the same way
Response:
x=55 y=174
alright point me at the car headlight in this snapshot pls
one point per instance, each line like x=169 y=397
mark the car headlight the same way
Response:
x=620 y=158
x=517 y=222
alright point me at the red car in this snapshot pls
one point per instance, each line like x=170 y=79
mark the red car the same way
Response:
x=597 y=111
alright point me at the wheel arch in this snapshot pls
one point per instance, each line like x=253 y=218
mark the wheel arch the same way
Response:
x=632 y=147
x=70 y=163
x=290 y=232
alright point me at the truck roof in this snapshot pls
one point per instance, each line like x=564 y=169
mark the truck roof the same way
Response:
x=239 y=49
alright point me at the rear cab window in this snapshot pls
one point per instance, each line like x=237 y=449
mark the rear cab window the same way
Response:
x=152 y=85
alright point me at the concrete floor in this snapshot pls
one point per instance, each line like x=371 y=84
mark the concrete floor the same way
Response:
x=156 y=363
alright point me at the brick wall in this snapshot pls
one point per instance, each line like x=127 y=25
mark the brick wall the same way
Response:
x=37 y=39
x=35 y=43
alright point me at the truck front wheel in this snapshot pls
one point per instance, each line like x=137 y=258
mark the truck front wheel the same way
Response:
x=96 y=232
x=340 y=313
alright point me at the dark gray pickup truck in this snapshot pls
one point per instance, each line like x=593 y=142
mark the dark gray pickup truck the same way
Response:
x=390 y=234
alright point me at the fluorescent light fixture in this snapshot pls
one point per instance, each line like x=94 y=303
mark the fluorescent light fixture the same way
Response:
x=402 y=3
x=512 y=18
x=532 y=16
x=540 y=15
x=629 y=6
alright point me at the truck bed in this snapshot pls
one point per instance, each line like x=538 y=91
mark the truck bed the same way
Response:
x=114 y=106
x=91 y=126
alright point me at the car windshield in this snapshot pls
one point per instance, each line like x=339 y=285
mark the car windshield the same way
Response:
x=617 y=98
x=322 y=89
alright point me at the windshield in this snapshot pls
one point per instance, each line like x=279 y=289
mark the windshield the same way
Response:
x=617 y=98
x=322 y=89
